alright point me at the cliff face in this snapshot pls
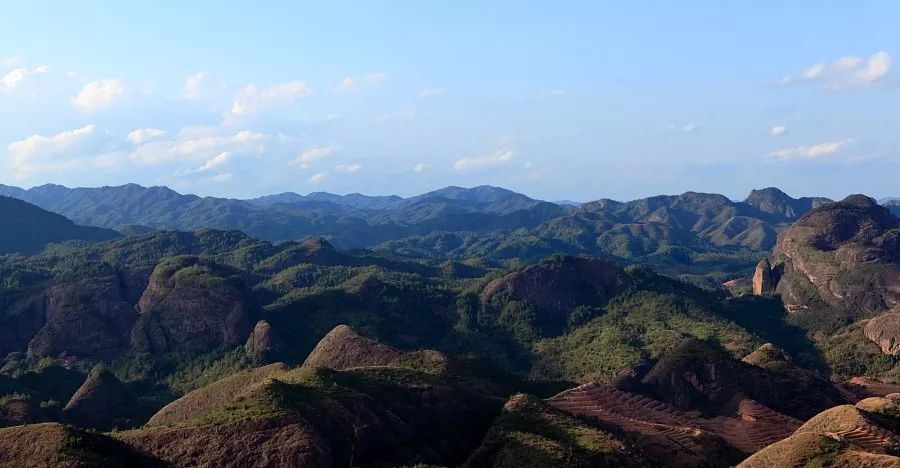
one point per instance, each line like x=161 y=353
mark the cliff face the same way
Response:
x=764 y=278
x=191 y=303
x=842 y=256
x=87 y=319
x=555 y=287
x=263 y=341
x=884 y=330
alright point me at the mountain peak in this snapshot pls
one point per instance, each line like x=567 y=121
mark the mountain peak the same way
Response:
x=861 y=200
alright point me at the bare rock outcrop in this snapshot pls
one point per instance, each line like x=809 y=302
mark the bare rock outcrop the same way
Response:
x=87 y=319
x=263 y=341
x=840 y=260
x=343 y=348
x=556 y=286
x=884 y=330
x=192 y=303
x=764 y=278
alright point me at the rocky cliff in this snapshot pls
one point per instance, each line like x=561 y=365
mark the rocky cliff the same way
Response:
x=86 y=319
x=840 y=260
x=193 y=303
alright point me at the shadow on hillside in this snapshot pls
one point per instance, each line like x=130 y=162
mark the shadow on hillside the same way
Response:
x=767 y=318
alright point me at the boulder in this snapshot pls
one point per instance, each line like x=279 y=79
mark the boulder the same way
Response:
x=884 y=330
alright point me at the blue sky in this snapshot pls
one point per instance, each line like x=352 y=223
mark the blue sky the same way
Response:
x=576 y=100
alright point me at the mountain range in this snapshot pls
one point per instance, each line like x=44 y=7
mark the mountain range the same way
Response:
x=683 y=233
x=523 y=334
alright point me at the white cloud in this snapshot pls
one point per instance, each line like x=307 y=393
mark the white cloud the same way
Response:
x=470 y=164
x=348 y=168
x=98 y=95
x=250 y=100
x=223 y=177
x=811 y=151
x=50 y=145
x=430 y=93
x=351 y=83
x=245 y=141
x=215 y=162
x=315 y=154
x=420 y=167
x=144 y=134
x=192 y=85
x=845 y=73
x=318 y=178
x=14 y=78
x=778 y=130
x=199 y=143
x=39 y=152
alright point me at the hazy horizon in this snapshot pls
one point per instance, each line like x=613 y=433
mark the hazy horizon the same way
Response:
x=738 y=197
x=564 y=101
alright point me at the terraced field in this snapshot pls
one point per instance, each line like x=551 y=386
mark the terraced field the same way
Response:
x=752 y=427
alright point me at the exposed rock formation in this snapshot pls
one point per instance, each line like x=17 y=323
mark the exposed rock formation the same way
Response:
x=841 y=260
x=192 y=303
x=764 y=279
x=554 y=287
x=263 y=341
x=343 y=348
x=884 y=330
x=86 y=319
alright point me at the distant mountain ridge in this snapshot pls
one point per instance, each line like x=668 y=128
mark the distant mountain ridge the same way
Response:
x=459 y=223
x=351 y=221
x=27 y=228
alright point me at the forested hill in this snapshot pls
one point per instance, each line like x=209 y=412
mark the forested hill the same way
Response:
x=27 y=228
x=485 y=222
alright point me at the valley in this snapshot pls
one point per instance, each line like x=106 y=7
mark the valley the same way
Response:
x=464 y=327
